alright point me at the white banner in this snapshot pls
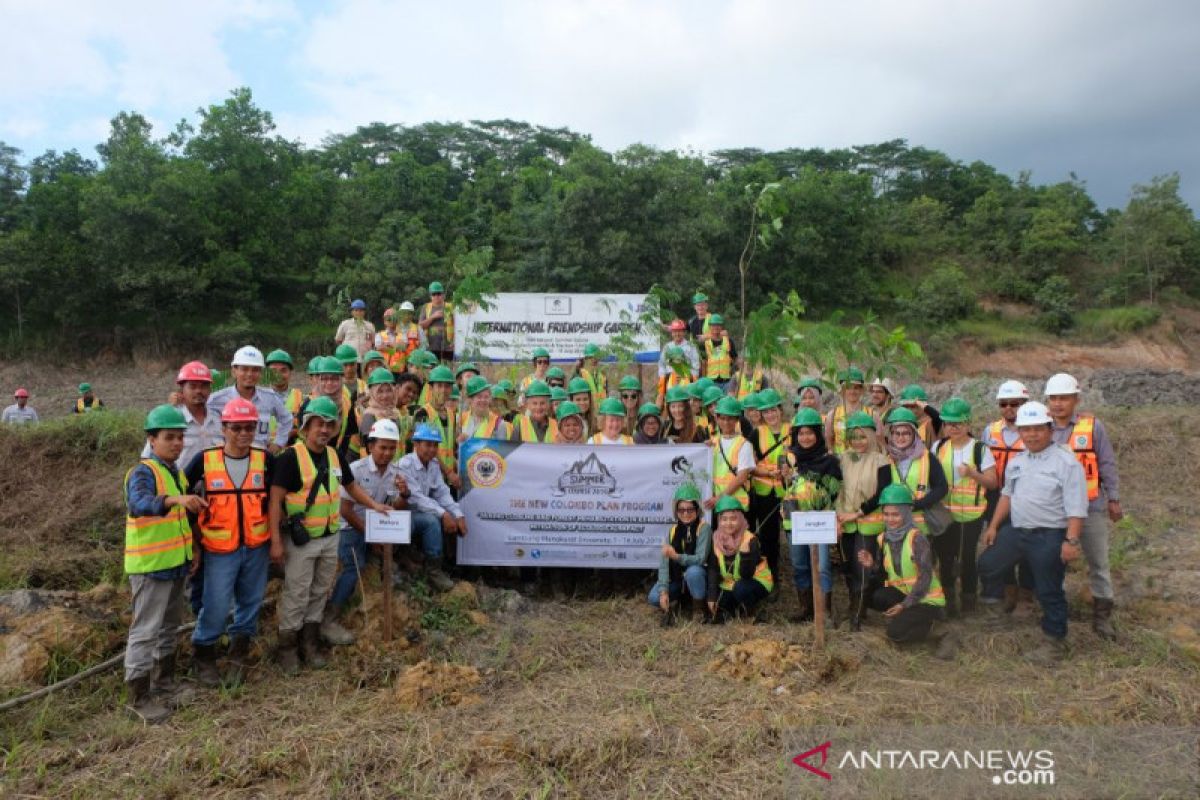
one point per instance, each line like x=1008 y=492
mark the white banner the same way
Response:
x=546 y=505
x=562 y=323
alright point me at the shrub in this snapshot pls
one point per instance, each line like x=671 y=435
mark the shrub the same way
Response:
x=945 y=295
x=1056 y=304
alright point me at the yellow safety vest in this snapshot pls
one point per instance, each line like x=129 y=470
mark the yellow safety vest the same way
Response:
x=917 y=481
x=718 y=364
x=751 y=384
x=323 y=515
x=905 y=578
x=485 y=429
x=447 y=320
x=965 y=500
x=725 y=473
x=731 y=575
x=772 y=445
x=158 y=543
x=527 y=432
x=448 y=447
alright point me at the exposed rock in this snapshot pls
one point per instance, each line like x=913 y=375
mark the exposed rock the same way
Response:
x=23 y=661
x=427 y=684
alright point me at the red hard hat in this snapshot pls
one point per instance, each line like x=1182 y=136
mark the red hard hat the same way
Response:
x=194 y=371
x=678 y=325
x=239 y=410
x=21 y=393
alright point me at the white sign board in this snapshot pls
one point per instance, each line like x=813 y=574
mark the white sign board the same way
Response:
x=814 y=527
x=564 y=324
x=595 y=506
x=394 y=527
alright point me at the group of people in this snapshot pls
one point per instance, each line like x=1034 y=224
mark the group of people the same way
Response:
x=235 y=480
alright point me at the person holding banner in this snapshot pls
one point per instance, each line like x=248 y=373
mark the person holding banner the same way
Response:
x=685 y=555
x=770 y=442
x=479 y=421
x=535 y=425
x=435 y=414
x=571 y=425
x=434 y=509
x=649 y=425
x=612 y=424
x=580 y=394
x=738 y=576
x=681 y=423
x=733 y=457
x=865 y=470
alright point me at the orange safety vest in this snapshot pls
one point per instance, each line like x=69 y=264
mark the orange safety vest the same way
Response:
x=718 y=364
x=965 y=500
x=762 y=573
x=771 y=445
x=1002 y=451
x=526 y=432
x=917 y=481
x=1083 y=442
x=235 y=514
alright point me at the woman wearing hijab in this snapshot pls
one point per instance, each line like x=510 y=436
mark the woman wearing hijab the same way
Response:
x=812 y=477
x=738 y=576
x=913 y=467
x=381 y=399
x=865 y=470
x=681 y=423
x=571 y=426
x=808 y=394
x=649 y=425
x=911 y=598
x=684 y=557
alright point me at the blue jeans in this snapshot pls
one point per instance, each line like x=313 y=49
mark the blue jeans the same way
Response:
x=429 y=528
x=802 y=566
x=352 y=556
x=238 y=579
x=1041 y=549
x=695 y=577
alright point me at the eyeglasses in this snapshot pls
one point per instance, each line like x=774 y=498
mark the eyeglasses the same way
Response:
x=1011 y=403
x=241 y=427
x=557 y=383
x=630 y=395
x=687 y=510
x=541 y=361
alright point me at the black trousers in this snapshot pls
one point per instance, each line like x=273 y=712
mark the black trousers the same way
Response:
x=765 y=519
x=955 y=554
x=861 y=581
x=910 y=625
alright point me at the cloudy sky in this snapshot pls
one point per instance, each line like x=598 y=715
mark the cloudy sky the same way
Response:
x=1109 y=90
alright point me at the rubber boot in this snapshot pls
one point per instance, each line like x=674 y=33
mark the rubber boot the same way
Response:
x=332 y=630
x=167 y=686
x=310 y=649
x=287 y=653
x=1049 y=653
x=1101 y=624
x=139 y=701
x=438 y=579
x=239 y=652
x=805 y=599
x=968 y=604
x=204 y=665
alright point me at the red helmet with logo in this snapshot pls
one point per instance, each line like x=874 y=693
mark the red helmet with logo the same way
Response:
x=678 y=325
x=21 y=393
x=239 y=410
x=194 y=371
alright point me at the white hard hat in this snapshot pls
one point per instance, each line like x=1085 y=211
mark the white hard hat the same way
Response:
x=1012 y=390
x=407 y=306
x=248 y=356
x=1062 y=383
x=384 y=429
x=1033 y=413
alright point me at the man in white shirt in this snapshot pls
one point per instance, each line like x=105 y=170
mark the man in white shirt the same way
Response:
x=356 y=331
x=20 y=412
x=248 y=365
x=433 y=507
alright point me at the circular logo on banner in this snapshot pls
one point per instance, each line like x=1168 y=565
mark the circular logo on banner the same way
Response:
x=485 y=469
x=1081 y=441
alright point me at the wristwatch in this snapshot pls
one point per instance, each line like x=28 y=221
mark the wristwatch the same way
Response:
x=1072 y=542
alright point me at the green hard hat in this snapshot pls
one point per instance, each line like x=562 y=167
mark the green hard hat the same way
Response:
x=674 y=352
x=611 y=407
x=677 y=394
x=373 y=355
x=728 y=503
x=852 y=375
x=325 y=365
x=860 y=419
x=505 y=384
x=499 y=392
x=695 y=390
x=436 y=288
x=705 y=383
x=810 y=383
x=769 y=398
x=537 y=389
x=421 y=358
x=567 y=409
x=476 y=385
x=956 y=410
x=716 y=319
x=895 y=494
x=629 y=384
x=556 y=373
x=84 y=388
x=279 y=357
x=466 y=366
x=164 y=417
x=687 y=493
x=346 y=354
x=752 y=400
x=441 y=374
x=898 y=416
x=729 y=407
x=712 y=394
x=314 y=364
x=380 y=375
x=699 y=297
x=559 y=395
x=578 y=386
x=913 y=392
x=648 y=410
x=591 y=350
x=455 y=393
x=320 y=407
x=540 y=352
x=807 y=418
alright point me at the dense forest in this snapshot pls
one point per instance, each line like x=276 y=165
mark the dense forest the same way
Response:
x=221 y=229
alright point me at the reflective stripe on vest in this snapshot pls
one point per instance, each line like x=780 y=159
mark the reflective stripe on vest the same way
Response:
x=769 y=444
x=323 y=515
x=527 y=431
x=870 y=525
x=485 y=429
x=157 y=543
x=748 y=386
x=725 y=473
x=447 y=447
x=447 y=319
x=1083 y=442
x=598 y=438
x=81 y=408
x=235 y=514
x=597 y=384
x=762 y=573
x=1002 y=451
x=839 y=428
x=718 y=364
x=906 y=578
x=917 y=481
x=965 y=500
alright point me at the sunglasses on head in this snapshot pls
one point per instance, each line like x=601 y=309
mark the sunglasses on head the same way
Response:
x=1011 y=403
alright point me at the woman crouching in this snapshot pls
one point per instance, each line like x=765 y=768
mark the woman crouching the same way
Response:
x=683 y=557
x=738 y=576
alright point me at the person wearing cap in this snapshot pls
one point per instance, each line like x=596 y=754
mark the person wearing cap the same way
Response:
x=681 y=425
x=685 y=556
x=558 y=396
x=733 y=457
x=328 y=373
x=572 y=427
x=914 y=467
x=929 y=422
x=850 y=400
x=378 y=474
x=808 y=394
x=739 y=578
x=434 y=510
x=649 y=428
x=588 y=368
x=357 y=331
x=1087 y=438
x=1004 y=440
x=408 y=388
x=612 y=424
x=87 y=400
x=712 y=395
x=381 y=399
x=678 y=372
x=1040 y=518
x=20 y=412
x=281 y=366
x=158 y=556
x=579 y=392
x=307 y=486
x=419 y=363
x=463 y=373
x=437 y=321
x=437 y=414
x=770 y=442
x=502 y=400
x=535 y=425
x=970 y=471
x=541 y=366
x=865 y=471
x=629 y=389
x=719 y=353
x=698 y=325
x=479 y=421
x=247 y=369
x=230 y=541
x=911 y=598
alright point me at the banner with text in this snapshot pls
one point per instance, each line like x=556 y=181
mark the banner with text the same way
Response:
x=518 y=322
x=604 y=506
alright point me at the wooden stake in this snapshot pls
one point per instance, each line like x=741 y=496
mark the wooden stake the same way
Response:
x=387 y=592
x=814 y=563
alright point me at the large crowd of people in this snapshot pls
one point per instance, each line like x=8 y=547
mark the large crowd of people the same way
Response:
x=934 y=522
